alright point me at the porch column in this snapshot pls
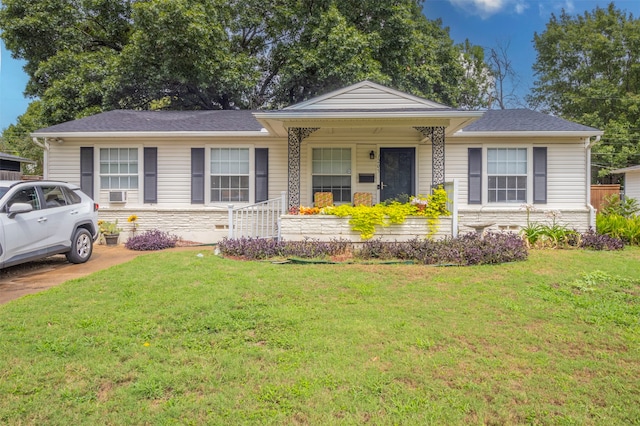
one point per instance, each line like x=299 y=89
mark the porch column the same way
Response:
x=295 y=136
x=437 y=152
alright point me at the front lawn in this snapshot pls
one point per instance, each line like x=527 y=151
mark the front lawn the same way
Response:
x=176 y=338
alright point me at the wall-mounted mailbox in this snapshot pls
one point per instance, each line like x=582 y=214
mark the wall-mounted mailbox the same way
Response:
x=366 y=178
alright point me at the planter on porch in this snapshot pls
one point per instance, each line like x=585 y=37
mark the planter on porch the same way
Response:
x=327 y=227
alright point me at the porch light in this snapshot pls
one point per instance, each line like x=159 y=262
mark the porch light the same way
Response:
x=372 y=155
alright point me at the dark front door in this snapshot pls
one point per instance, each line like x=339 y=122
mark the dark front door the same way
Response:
x=397 y=172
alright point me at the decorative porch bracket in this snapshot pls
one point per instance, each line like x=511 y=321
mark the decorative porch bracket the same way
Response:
x=436 y=134
x=296 y=135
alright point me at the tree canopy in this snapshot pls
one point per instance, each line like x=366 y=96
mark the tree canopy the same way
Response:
x=588 y=71
x=87 y=56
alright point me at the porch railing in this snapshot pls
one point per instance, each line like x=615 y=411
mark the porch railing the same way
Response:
x=260 y=220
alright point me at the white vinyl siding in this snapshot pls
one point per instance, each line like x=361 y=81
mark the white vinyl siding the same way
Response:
x=632 y=185
x=566 y=176
x=566 y=169
x=366 y=96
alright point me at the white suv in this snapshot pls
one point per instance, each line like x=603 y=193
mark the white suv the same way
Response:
x=43 y=218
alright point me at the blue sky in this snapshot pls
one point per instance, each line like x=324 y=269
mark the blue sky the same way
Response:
x=484 y=22
x=514 y=22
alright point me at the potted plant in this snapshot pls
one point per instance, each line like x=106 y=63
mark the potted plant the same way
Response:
x=110 y=231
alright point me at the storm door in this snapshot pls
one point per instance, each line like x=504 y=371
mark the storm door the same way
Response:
x=397 y=172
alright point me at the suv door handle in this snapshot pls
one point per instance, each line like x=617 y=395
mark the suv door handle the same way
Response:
x=42 y=219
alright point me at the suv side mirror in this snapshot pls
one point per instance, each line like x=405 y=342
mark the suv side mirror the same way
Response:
x=17 y=208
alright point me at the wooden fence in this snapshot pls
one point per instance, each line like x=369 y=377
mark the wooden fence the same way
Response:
x=600 y=192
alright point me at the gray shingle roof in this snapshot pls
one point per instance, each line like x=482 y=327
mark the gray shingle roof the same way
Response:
x=243 y=120
x=160 y=121
x=523 y=120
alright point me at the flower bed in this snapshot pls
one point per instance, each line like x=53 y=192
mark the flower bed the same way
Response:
x=326 y=227
x=426 y=212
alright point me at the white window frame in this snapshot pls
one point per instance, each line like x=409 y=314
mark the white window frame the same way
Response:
x=352 y=180
x=485 y=174
x=209 y=175
x=138 y=175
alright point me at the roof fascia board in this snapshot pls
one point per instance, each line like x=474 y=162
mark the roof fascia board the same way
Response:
x=626 y=169
x=539 y=134
x=360 y=123
x=62 y=135
x=371 y=114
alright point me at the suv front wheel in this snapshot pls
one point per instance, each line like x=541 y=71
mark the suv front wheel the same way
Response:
x=81 y=246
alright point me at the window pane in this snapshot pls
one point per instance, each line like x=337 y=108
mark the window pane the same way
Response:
x=507 y=174
x=331 y=170
x=119 y=168
x=229 y=174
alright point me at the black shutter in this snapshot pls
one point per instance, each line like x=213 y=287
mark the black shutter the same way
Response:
x=86 y=170
x=151 y=175
x=475 y=176
x=262 y=174
x=540 y=175
x=197 y=175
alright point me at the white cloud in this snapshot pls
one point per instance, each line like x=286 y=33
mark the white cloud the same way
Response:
x=568 y=6
x=547 y=8
x=487 y=8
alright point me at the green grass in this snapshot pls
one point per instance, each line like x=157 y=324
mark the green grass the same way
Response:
x=172 y=338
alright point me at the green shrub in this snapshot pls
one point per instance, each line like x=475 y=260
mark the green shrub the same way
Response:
x=618 y=226
x=613 y=205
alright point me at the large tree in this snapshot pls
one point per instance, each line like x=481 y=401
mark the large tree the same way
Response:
x=588 y=70
x=86 y=56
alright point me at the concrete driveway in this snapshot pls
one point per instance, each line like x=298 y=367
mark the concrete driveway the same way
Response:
x=39 y=275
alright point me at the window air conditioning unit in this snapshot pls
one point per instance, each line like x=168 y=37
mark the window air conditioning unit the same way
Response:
x=117 y=196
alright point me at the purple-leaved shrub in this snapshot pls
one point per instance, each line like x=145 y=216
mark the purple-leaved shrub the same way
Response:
x=594 y=241
x=265 y=248
x=468 y=249
x=153 y=239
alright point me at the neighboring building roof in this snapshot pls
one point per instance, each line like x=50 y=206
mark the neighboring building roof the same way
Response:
x=159 y=121
x=627 y=169
x=9 y=157
x=523 y=120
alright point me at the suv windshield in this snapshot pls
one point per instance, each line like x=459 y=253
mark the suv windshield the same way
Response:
x=3 y=190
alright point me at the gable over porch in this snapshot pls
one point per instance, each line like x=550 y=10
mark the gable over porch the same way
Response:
x=366 y=108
